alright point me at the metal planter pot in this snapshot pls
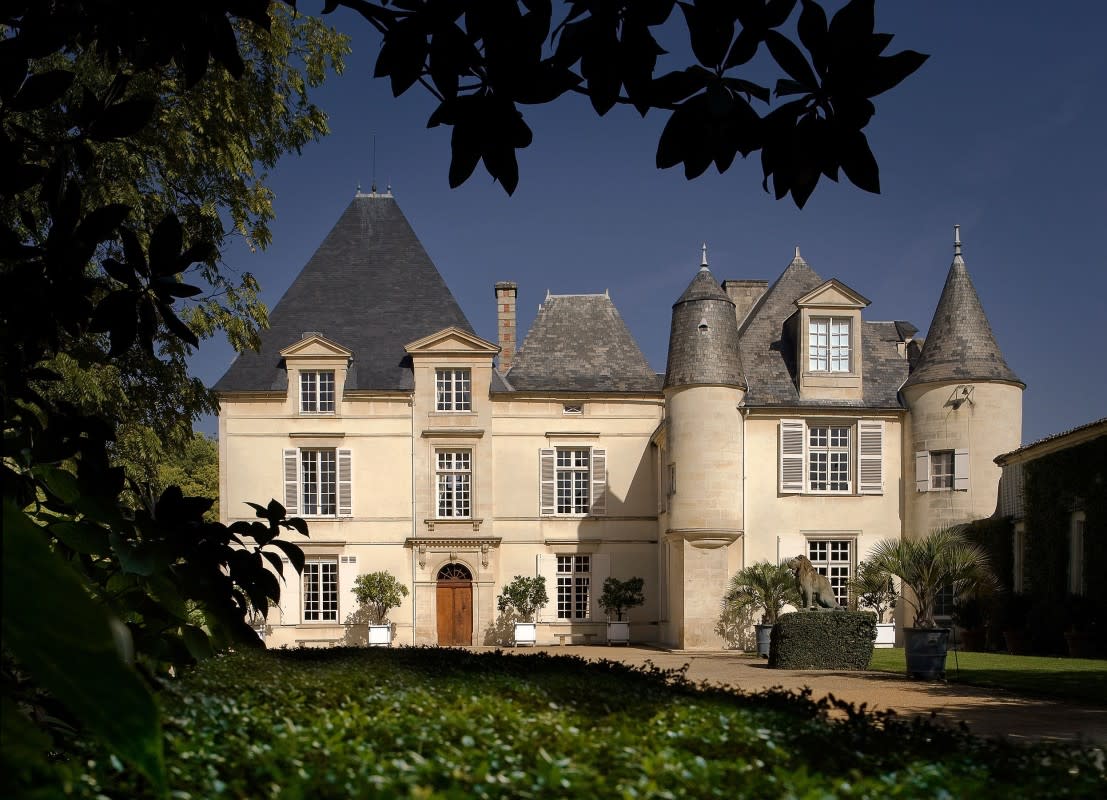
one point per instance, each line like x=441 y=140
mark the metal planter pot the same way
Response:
x=926 y=649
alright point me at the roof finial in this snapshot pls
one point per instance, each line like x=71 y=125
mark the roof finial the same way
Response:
x=373 y=185
x=798 y=251
x=703 y=261
x=956 y=241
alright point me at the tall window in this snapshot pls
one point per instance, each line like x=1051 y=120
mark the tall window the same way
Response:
x=453 y=390
x=573 y=478
x=321 y=591
x=828 y=459
x=454 y=471
x=941 y=469
x=574 y=583
x=317 y=392
x=317 y=482
x=833 y=558
x=828 y=344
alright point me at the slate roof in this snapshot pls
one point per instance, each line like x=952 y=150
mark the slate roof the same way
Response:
x=960 y=345
x=703 y=336
x=370 y=287
x=768 y=349
x=579 y=343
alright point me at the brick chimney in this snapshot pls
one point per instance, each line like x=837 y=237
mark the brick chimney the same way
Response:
x=506 y=292
x=744 y=294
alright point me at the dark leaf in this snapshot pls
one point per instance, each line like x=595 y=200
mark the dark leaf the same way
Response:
x=83 y=537
x=165 y=246
x=298 y=524
x=275 y=561
x=293 y=553
x=710 y=29
x=42 y=89
x=132 y=250
x=174 y=289
x=744 y=48
x=465 y=147
x=147 y=324
x=674 y=87
x=176 y=327
x=122 y=119
x=812 y=33
x=791 y=59
x=402 y=56
x=197 y=642
x=101 y=223
x=887 y=72
x=224 y=47
x=777 y=12
x=274 y=512
x=202 y=251
x=858 y=162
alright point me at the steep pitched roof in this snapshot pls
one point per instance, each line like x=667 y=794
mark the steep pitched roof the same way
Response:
x=579 y=343
x=769 y=349
x=703 y=336
x=370 y=287
x=960 y=345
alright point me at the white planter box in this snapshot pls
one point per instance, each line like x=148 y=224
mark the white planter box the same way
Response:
x=618 y=633
x=885 y=634
x=380 y=635
x=526 y=633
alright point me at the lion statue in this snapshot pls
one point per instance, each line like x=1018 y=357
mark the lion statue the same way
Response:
x=814 y=588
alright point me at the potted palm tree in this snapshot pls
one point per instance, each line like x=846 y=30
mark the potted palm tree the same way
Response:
x=379 y=593
x=875 y=589
x=944 y=557
x=523 y=597
x=766 y=587
x=619 y=596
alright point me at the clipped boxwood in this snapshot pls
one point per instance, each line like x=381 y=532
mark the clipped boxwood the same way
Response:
x=823 y=640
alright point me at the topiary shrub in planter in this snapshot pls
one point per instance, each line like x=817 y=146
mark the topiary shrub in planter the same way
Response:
x=619 y=596
x=524 y=597
x=379 y=593
x=823 y=640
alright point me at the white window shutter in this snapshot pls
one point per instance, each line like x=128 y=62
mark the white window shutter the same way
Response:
x=791 y=456
x=345 y=483
x=961 y=470
x=870 y=434
x=922 y=471
x=547 y=488
x=599 y=482
x=292 y=481
x=290 y=595
x=547 y=568
x=601 y=571
x=347 y=574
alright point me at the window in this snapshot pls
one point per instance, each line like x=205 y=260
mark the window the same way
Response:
x=573 y=481
x=318 y=482
x=831 y=457
x=1077 y=583
x=833 y=558
x=828 y=344
x=454 y=480
x=321 y=590
x=453 y=390
x=574 y=583
x=317 y=392
x=828 y=459
x=941 y=469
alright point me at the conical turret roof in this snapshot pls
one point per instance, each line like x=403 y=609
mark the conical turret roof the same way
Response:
x=960 y=345
x=703 y=338
x=370 y=287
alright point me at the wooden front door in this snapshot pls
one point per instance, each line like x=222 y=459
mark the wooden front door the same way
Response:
x=454 y=602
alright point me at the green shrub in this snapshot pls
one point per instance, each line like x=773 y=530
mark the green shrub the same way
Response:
x=823 y=640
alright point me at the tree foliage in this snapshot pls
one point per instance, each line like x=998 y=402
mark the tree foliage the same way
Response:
x=618 y=596
x=483 y=59
x=380 y=592
x=762 y=586
x=525 y=596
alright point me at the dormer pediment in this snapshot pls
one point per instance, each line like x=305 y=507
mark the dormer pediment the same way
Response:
x=452 y=341
x=315 y=346
x=832 y=294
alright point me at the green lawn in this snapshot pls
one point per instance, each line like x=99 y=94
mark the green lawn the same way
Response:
x=1080 y=680
x=439 y=723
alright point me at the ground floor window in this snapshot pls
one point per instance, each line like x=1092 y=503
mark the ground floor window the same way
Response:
x=833 y=558
x=321 y=590
x=574 y=584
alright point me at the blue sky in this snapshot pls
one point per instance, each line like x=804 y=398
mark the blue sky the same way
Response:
x=1002 y=131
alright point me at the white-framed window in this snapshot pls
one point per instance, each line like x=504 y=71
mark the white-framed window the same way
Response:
x=317 y=392
x=454 y=481
x=453 y=390
x=828 y=344
x=574 y=586
x=828 y=458
x=833 y=558
x=941 y=469
x=831 y=456
x=573 y=481
x=320 y=590
x=318 y=482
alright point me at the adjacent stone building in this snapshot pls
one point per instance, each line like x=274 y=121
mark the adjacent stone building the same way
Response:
x=786 y=422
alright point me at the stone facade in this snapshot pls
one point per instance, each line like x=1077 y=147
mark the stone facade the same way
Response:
x=780 y=428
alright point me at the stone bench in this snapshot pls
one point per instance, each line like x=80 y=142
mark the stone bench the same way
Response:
x=561 y=637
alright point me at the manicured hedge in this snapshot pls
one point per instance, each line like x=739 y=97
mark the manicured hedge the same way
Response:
x=823 y=640
x=446 y=723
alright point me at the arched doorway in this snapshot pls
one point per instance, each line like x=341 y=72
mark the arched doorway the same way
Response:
x=454 y=604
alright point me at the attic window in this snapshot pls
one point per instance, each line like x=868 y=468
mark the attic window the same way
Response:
x=317 y=392
x=829 y=345
x=703 y=325
x=573 y=408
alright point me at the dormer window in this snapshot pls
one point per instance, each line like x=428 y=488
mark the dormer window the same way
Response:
x=828 y=344
x=317 y=392
x=453 y=390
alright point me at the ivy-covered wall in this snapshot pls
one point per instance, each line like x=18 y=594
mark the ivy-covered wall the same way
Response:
x=1057 y=485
